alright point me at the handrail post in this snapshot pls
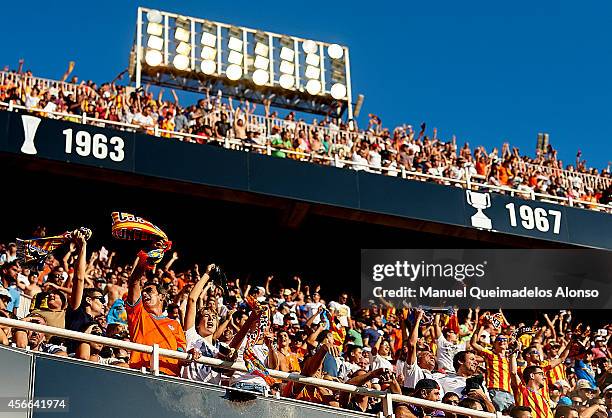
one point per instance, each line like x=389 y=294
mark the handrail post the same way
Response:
x=388 y=406
x=403 y=171
x=155 y=360
x=10 y=106
x=156 y=130
x=84 y=118
x=226 y=143
x=268 y=149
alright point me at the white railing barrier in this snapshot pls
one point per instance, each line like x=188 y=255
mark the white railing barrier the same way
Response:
x=268 y=149
x=155 y=351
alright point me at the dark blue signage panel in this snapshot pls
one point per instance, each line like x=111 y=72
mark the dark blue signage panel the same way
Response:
x=70 y=142
x=190 y=162
x=34 y=136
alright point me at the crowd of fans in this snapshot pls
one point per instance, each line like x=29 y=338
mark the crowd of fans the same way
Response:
x=555 y=367
x=329 y=141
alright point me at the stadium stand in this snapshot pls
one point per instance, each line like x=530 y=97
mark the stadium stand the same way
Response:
x=401 y=152
x=357 y=359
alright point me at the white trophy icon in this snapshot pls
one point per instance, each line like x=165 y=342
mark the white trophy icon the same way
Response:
x=30 y=125
x=479 y=201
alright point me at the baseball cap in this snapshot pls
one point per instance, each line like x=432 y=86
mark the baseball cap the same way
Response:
x=564 y=400
x=609 y=387
x=426 y=384
x=286 y=292
x=583 y=384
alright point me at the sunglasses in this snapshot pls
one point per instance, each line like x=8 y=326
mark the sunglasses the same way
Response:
x=100 y=298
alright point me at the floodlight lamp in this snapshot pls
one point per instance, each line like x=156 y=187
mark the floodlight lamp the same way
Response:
x=233 y=72
x=235 y=57
x=183 y=48
x=209 y=39
x=286 y=81
x=338 y=91
x=153 y=58
x=182 y=34
x=260 y=77
x=155 y=42
x=312 y=72
x=154 y=16
x=287 y=54
x=235 y=44
x=181 y=62
x=335 y=51
x=309 y=47
x=208 y=53
x=155 y=29
x=261 y=49
x=208 y=67
x=287 y=67
x=261 y=62
x=312 y=59
x=313 y=87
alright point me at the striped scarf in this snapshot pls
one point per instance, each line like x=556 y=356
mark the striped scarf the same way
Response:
x=33 y=252
x=133 y=228
x=253 y=364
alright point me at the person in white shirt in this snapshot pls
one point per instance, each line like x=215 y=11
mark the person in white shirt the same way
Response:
x=420 y=365
x=448 y=345
x=341 y=310
x=467 y=366
x=312 y=308
x=200 y=328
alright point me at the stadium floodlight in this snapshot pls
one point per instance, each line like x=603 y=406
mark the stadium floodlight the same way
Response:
x=312 y=72
x=235 y=44
x=287 y=54
x=181 y=62
x=313 y=59
x=208 y=39
x=235 y=57
x=261 y=63
x=335 y=51
x=185 y=52
x=154 y=16
x=182 y=34
x=286 y=81
x=153 y=57
x=155 y=42
x=208 y=67
x=155 y=29
x=309 y=47
x=261 y=49
x=260 y=77
x=287 y=67
x=208 y=53
x=313 y=87
x=233 y=72
x=183 y=48
x=338 y=91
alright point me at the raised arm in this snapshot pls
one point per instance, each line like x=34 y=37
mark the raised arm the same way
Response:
x=437 y=327
x=134 y=286
x=414 y=336
x=474 y=340
x=78 y=280
x=192 y=300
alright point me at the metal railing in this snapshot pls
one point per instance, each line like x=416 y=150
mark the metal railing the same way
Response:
x=468 y=182
x=155 y=351
x=45 y=83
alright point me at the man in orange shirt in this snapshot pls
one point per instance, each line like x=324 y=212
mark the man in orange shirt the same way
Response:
x=144 y=306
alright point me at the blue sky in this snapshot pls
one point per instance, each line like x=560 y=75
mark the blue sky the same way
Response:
x=484 y=71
